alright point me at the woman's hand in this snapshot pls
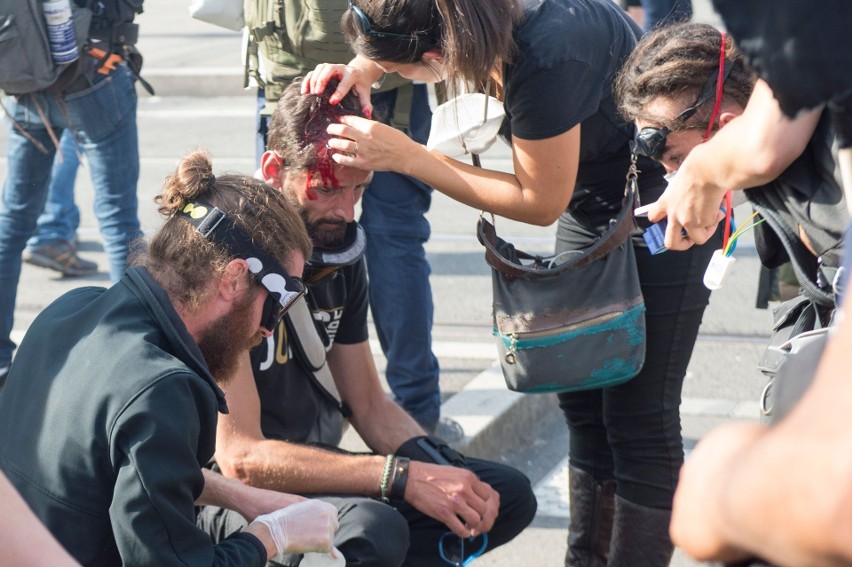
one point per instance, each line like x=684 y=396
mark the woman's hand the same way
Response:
x=691 y=209
x=371 y=145
x=358 y=77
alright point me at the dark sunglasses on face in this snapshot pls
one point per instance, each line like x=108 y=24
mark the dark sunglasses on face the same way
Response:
x=367 y=27
x=276 y=304
x=651 y=141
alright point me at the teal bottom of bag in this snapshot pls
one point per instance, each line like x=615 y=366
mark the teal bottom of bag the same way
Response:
x=541 y=366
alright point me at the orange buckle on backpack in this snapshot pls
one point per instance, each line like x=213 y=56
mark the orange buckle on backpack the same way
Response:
x=106 y=61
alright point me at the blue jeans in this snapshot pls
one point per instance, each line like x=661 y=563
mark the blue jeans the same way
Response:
x=103 y=119
x=393 y=213
x=61 y=217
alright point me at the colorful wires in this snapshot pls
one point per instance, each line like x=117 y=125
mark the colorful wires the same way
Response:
x=745 y=227
x=728 y=209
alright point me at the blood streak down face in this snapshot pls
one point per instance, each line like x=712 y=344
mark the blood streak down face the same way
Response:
x=319 y=113
x=315 y=133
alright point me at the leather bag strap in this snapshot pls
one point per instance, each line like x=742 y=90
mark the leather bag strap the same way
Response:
x=617 y=233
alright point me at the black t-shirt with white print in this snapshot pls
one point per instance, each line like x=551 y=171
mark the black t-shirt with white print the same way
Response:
x=290 y=403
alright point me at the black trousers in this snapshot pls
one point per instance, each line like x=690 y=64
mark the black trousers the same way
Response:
x=375 y=534
x=631 y=432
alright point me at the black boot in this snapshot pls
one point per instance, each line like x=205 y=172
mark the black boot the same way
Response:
x=640 y=536
x=591 y=509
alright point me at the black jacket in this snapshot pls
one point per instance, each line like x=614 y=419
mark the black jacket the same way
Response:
x=108 y=413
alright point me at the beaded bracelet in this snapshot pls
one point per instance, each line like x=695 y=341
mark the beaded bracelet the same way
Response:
x=385 y=484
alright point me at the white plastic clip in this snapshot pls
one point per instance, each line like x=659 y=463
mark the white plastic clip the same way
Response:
x=718 y=269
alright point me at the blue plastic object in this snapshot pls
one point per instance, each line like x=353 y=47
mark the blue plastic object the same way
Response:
x=462 y=561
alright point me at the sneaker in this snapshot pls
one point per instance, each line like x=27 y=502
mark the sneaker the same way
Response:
x=60 y=256
x=447 y=429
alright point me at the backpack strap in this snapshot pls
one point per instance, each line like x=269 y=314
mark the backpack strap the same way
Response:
x=799 y=256
x=310 y=350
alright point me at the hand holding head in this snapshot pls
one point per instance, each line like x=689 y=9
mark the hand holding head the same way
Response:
x=298 y=140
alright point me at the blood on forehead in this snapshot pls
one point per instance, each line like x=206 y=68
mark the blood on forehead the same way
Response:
x=315 y=135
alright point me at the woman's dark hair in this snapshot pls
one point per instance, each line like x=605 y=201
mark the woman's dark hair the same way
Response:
x=675 y=61
x=297 y=129
x=184 y=262
x=472 y=35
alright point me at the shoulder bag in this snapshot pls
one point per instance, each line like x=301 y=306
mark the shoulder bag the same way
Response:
x=572 y=321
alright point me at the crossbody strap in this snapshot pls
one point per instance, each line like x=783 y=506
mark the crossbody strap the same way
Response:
x=617 y=233
x=795 y=250
x=309 y=349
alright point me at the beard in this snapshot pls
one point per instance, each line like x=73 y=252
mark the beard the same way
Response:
x=328 y=234
x=227 y=338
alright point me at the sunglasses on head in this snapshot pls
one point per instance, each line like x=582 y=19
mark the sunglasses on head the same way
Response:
x=651 y=141
x=283 y=291
x=367 y=27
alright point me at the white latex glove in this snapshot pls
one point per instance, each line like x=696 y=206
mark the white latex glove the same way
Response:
x=302 y=527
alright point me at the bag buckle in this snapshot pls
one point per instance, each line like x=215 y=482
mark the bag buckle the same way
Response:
x=632 y=177
x=106 y=61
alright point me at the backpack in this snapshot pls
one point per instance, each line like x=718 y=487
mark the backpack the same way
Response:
x=26 y=64
x=808 y=194
x=288 y=38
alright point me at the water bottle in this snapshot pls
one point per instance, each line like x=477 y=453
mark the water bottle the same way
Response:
x=60 y=31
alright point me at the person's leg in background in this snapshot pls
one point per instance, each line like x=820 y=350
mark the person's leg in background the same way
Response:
x=24 y=195
x=642 y=417
x=54 y=244
x=104 y=118
x=591 y=476
x=591 y=480
x=631 y=433
x=661 y=12
x=393 y=216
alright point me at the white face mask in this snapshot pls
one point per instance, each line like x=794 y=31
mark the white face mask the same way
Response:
x=467 y=124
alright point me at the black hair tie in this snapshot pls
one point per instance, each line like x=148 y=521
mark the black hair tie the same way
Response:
x=211 y=181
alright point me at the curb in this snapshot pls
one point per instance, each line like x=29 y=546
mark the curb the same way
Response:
x=196 y=81
x=494 y=418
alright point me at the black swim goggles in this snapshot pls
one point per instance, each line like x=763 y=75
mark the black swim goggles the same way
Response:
x=651 y=141
x=284 y=290
x=367 y=26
